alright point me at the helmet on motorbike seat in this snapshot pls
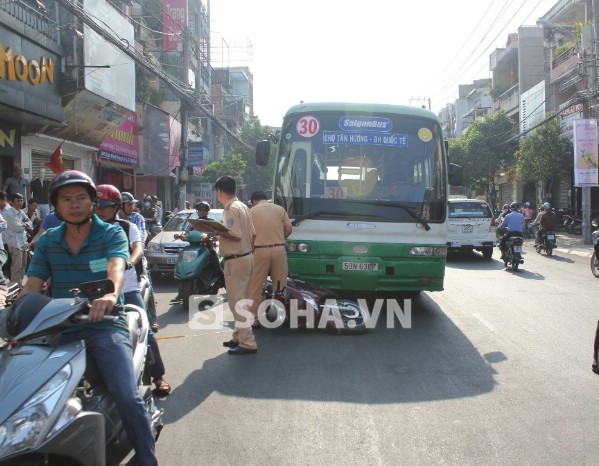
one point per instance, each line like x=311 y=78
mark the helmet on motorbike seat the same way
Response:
x=127 y=198
x=547 y=205
x=514 y=206
x=202 y=205
x=506 y=206
x=71 y=177
x=108 y=195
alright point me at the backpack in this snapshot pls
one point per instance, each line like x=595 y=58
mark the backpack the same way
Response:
x=139 y=268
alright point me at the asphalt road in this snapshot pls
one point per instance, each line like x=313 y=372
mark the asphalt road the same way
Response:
x=493 y=370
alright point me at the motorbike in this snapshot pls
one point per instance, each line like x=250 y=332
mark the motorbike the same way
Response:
x=317 y=307
x=548 y=243
x=198 y=268
x=54 y=407
x=595 y=256
x=513 y=252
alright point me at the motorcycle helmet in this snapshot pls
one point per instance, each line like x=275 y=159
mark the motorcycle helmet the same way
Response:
x=527 y=204
x=108 y=195
x=70 y=177
x=202 y=205
x=547 y=205
x=514 y=206
x=127 y=198
x=506 y=206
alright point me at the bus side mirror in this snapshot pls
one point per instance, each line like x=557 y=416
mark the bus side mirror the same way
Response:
x=456 y=175
x=262 y=152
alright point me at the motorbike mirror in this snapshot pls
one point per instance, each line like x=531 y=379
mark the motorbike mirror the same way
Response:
x=96 y=288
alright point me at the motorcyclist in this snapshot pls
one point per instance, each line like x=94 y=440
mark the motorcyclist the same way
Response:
x=84 y=248
x=547 y=222
x=150 y=214
x=203 y=208
x=109 y=203
x=513 y=225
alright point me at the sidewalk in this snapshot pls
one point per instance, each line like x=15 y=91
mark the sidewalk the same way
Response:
x=568 y=244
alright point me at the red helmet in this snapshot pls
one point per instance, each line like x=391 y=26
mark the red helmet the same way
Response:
x=108 y=195
x=70 y=177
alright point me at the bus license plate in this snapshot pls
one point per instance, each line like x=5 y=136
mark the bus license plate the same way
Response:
x=362 y=266
x=467 y=229
x=517 y=248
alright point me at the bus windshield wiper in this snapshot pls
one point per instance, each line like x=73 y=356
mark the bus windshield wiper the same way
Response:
x=297 y=219
x=415 y=214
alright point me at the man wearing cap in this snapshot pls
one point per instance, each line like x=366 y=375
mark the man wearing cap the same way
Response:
x=272 y=226
x=127 y=205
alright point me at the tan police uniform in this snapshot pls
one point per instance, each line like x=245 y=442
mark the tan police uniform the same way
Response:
x=272 y=226
x=239 y=262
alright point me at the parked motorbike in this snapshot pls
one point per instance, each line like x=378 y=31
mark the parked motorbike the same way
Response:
x=54 y=408
x=548 y=243
x=341 y=316
x=513 y=252
x=198 y=268
x=595 y=256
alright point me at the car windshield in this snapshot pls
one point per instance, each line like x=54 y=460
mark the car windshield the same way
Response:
x=179 y=221
x=469 y=210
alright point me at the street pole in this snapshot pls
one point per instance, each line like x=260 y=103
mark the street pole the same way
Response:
x=184 y=110
x=592 y=73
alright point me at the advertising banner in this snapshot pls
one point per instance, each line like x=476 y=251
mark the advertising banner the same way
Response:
x=174 y=19
x=122 y=145
x=161 y=142
x=585 y=153
x=195 y=154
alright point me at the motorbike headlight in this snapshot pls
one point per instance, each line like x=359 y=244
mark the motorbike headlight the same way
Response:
x=188 y=256
x=153 y=248
x=25 y=429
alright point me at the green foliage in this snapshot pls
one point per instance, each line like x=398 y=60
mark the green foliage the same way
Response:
x=545 y=154
x=487 y=145
x=144 y=92
x=256 y=178
x=234 y=166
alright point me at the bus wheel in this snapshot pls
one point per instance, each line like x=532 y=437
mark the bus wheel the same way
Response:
x=488 y=252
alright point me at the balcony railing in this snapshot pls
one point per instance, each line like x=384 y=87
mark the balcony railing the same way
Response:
x=509 y=100
x=564 y=63
x=28 y=13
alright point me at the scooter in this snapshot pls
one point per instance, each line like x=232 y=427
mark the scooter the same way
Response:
x=315 y=307
x=595 y=256
x=548 y=243
x=513 y=252
x=198 y=268
x=54 y=408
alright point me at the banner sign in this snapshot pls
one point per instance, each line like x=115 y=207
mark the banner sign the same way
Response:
x=195 y=154
x=122 y=145
x=174 y=20
x=585 y=153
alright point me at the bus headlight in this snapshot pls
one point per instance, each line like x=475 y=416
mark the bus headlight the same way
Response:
x=299 y=247
x=428 y=251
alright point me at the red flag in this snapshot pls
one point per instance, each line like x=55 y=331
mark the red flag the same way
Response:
x=55 y=163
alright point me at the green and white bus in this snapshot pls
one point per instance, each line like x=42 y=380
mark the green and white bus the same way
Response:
x=366 y=188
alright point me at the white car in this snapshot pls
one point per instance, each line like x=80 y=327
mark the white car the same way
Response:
x=162 y=250
x=471 y=226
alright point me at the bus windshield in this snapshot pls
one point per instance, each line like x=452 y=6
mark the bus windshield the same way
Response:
x=386 y=167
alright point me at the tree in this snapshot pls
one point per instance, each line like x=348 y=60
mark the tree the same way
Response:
x=545 y=155
x=234 y=166
x=487 y=145
x=256 y=178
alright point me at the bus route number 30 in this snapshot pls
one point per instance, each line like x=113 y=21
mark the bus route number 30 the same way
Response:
x=307 y=126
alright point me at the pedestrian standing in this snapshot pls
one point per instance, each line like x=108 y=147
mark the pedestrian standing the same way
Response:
x=17 y=224
x=236 y=248
x=272 y=226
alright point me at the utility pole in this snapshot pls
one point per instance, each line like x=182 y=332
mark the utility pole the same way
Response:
x=593 y=86
x=183 y=176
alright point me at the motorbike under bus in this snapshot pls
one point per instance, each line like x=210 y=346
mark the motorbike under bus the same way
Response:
x=366 y=189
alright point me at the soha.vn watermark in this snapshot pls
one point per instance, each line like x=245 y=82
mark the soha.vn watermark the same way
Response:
x=207 y=312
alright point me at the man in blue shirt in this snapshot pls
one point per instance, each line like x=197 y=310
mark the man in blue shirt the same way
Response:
x=513 y=225
x=84 y=248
